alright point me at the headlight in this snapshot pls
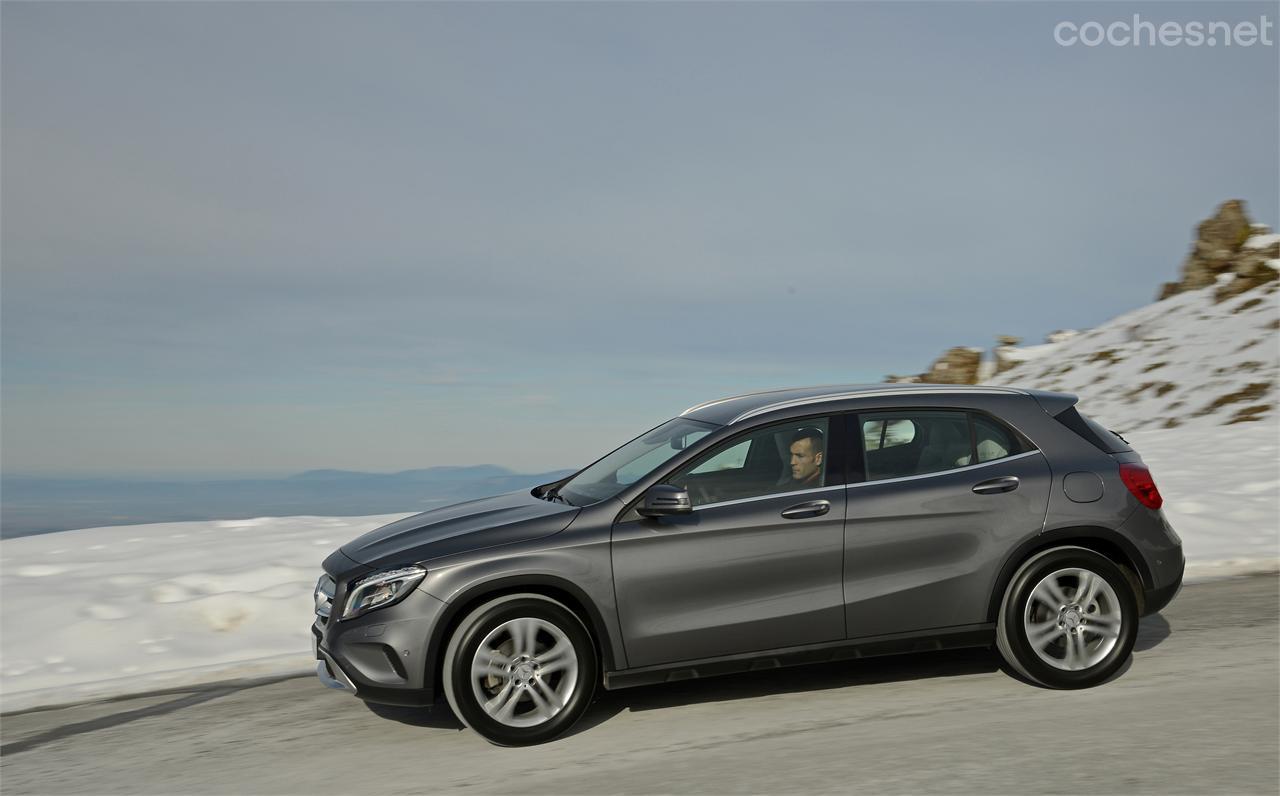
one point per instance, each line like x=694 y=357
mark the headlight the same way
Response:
x=380 y=590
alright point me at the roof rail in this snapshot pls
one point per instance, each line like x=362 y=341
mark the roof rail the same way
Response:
x=705 y=404
x=868 y=394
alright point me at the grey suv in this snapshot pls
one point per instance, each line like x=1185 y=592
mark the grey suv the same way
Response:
x=764 y=530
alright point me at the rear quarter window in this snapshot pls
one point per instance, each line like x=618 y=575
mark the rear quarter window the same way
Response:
x=1092 y=431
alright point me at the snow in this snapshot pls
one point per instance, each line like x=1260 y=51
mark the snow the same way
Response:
x=1022 y=354
x=1166 y=364
x=104 y=611
x=1221 y=489
x=1261 y=241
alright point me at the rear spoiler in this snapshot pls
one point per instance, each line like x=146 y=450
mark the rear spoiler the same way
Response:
x=1053 y=403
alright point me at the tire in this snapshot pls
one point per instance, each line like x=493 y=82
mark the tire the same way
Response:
x=536 y=669
x=1068 y=619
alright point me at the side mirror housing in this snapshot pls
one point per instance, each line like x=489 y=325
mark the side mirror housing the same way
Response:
x=665 y=500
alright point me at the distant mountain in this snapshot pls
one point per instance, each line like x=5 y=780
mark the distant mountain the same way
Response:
x=421 y=476
x=33 y=505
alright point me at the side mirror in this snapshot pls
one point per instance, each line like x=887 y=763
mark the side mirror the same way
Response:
x=665 y=500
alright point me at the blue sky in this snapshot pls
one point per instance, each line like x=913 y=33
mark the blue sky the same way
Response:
x=250 y=238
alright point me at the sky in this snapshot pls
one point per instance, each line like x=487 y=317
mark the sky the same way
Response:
x=253 y=238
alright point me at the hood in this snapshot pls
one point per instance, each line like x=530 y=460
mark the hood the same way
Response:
x=476 y=524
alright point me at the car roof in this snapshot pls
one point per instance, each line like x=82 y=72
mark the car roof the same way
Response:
x=736 y=408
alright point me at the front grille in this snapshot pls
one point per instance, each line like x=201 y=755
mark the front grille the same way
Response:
x=324 y=597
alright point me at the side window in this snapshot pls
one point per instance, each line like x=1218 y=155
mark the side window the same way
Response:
x=914 y=442
x=994 y=441
x=733 y=457
x=878 y=434
x=785 y=457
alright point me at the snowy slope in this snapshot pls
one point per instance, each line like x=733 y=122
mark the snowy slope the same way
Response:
x=1184 y=361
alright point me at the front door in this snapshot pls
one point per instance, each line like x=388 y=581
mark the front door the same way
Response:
x=756 y=566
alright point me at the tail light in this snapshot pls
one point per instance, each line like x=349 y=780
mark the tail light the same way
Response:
x=1138 y=478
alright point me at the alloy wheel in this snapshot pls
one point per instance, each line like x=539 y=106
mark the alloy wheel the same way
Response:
x=524 y=672
x=1072 y=619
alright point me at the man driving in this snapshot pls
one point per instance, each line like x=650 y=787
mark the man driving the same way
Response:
x=806 y=459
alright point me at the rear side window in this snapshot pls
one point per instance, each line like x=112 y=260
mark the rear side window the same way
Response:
x=1092 y=431
x=880 y=434
x=910 y=442
x=914 y=442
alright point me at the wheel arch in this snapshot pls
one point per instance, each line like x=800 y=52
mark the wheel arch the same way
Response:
x=555 y=588
x=1104 y=541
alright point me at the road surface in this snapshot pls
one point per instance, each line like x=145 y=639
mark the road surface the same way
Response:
x=1197 y=712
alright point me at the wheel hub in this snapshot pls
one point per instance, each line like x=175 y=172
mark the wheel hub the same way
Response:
x=1070 y=618
x=523 y=673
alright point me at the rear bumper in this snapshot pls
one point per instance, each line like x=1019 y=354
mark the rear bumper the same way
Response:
x=1161 y=557
x=1156 y=599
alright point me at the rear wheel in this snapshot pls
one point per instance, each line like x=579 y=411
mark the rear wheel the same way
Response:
x=520 y=669
x=1068 y=619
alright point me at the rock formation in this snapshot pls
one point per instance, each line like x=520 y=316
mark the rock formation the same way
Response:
x=1229 y=252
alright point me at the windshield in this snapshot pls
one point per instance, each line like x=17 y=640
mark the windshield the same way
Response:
x=633 y=461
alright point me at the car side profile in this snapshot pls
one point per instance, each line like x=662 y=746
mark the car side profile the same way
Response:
x=787 y=527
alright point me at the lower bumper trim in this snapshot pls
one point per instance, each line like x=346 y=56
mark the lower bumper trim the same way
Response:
x=332 y=676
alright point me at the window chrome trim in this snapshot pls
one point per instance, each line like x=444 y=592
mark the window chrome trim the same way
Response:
x=936 y=473
x=767 y=497
x=869 y=394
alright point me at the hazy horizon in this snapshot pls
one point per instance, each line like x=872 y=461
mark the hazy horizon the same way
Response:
x=268 y=238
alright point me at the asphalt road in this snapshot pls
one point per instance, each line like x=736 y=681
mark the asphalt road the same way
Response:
x=1197 y=712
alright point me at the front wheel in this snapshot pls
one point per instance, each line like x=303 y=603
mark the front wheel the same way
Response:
x=1069 y=619
x=520 y=669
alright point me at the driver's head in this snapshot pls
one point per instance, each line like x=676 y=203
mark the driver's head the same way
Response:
x=806 y=454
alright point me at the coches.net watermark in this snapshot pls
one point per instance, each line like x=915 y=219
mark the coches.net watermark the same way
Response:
x=1140 y=32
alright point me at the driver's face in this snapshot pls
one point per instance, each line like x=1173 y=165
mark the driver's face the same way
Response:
x=804 y=461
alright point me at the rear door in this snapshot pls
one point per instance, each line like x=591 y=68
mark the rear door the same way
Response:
x=946 y=494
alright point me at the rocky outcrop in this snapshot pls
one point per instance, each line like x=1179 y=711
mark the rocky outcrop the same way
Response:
x=1006 y=353
x=1230 y=252
x=957 y=366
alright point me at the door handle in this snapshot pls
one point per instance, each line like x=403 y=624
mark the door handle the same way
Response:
x=814 y=508
x=995 y=485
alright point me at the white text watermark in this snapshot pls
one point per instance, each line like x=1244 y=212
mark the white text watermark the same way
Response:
x=1139 y=32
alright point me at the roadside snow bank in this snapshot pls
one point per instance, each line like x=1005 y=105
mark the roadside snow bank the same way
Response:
x=105 y=611
x=1221 y=489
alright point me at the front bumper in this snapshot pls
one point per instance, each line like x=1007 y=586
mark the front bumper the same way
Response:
x=383 y=656
x=332 y=676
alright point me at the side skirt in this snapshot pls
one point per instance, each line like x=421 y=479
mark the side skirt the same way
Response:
x=981 y=635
